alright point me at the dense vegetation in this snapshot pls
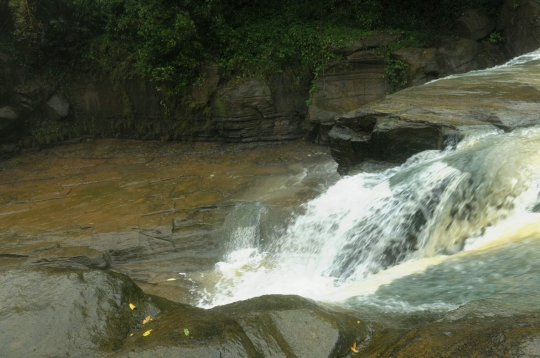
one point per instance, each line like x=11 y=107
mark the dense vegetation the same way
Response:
x=167 y=40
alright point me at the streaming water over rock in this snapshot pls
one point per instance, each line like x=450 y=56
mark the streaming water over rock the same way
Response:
x=372 y=228
x=347 y=242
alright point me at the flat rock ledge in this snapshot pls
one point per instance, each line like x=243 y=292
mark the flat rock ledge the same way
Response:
x=434 y=115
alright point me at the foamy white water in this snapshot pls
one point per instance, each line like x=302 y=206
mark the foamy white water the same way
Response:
x=372 y=228
x=372 y=231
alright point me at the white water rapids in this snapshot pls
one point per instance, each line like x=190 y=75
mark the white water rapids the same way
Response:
x=426 y=235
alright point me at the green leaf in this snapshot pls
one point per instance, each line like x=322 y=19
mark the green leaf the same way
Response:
x=186 y=331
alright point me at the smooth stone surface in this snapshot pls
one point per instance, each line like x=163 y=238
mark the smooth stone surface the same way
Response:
x=61 y=313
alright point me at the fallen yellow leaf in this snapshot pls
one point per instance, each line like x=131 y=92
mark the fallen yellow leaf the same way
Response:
x=147 y=333
x=132 y=306
x=146 y=320
x=353 y=348
x=357 y=321
x=131 y=335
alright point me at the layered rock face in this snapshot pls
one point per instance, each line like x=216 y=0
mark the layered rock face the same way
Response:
x=362 y=76
x=433 y=115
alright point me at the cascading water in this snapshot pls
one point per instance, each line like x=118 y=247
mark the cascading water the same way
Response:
x=352 y=242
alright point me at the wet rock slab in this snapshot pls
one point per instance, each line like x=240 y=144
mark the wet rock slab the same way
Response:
x=152 y=210
x=435 y=114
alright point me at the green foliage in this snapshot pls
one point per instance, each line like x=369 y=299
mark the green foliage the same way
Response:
x=496 y=38
x=397 y=73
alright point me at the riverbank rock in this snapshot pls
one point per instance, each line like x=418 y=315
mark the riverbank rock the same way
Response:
x=431 y=116
x=51 y=312
x=519 y=22
x=474 y=24
x=8 y=121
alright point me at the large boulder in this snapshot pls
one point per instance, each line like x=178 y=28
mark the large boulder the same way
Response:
x=268 y=326
x=62 y=313
x=362 y=76
x=519 y=21
x=474 y=24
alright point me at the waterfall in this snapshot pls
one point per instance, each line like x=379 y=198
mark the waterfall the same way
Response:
x=431 y=206
x=368 y=229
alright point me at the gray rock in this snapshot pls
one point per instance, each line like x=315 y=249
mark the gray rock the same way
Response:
x=58 y=313
x=474 y=24
x=58 y=107
x=267 y=326
x=250 y=111
x=426 y=64
x=9 y=113
x=462 y=56
x=8 y=123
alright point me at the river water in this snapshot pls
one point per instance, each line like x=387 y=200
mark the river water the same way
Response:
x=443 y=229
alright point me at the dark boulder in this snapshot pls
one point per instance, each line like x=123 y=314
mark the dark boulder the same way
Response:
x=249 y=111
x=474 y=24
x=519 y=22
